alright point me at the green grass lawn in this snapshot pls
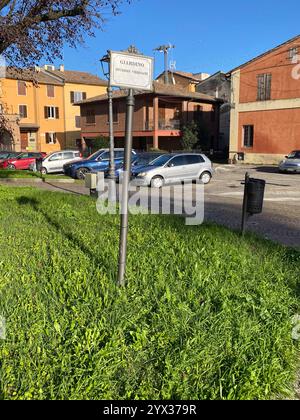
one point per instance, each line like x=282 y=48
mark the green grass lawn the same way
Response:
x=206 y=314
x=5 y=174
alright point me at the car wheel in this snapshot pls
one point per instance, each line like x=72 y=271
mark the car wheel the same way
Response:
x=157 y=182
x=11 y=167
x=205 y=177
x=44 y=171
x=80 y=173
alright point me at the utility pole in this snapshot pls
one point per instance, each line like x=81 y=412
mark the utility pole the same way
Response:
x=165 y=49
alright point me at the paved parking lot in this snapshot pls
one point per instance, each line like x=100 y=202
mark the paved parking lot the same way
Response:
x=280 y=220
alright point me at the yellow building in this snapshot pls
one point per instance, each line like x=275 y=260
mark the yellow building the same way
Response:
x=38 y=107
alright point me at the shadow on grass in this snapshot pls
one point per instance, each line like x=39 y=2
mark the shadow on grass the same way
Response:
x=33 y=203
x=63 y=188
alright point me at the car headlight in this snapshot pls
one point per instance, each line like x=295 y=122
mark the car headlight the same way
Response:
x=142 y=174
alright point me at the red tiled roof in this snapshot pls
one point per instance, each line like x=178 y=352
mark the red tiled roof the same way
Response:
x=78 y=77
x=159 y=89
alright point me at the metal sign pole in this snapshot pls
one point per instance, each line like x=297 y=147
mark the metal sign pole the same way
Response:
x=125 y=189
x=111 y=173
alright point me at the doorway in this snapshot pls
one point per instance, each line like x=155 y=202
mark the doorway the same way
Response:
x=24 y=141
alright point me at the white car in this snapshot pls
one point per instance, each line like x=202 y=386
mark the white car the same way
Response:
x=54 y=162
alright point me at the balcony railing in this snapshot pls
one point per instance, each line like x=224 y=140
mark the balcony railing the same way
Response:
x=163 y=125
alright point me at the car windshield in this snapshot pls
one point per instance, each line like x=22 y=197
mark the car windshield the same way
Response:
x=294 y=155
x=95 y=155
x=144 y=160
x=161 y=160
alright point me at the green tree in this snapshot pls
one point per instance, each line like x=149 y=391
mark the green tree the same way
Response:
x=190 y=136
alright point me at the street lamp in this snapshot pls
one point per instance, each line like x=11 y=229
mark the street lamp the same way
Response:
x=111 y=171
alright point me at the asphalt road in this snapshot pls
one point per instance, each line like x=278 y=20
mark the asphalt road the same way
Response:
x=280 y=220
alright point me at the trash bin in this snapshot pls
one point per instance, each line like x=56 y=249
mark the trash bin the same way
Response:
x=255 y=195
x=39 y=164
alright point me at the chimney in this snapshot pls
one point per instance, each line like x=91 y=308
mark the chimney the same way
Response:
x=62 y=68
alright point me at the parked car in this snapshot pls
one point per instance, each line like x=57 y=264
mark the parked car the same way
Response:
x=98 y=162
x=54 y=162
x=291 y=163
x=140 y=159
x=7 y=155
x=173 y=168
x=22 y=161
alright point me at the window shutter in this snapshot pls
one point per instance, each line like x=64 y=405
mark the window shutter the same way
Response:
x=268 y=86
x=46 y=112
x=57 y=113
x=72 y=97
x=83 y=96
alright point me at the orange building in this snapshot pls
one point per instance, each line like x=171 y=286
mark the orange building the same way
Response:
x=158 y=118
x=38 y=107
x=265 y=114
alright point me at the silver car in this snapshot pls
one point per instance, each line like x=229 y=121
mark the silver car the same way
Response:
x=174 y=168
x=54 y=162
x=291 y=163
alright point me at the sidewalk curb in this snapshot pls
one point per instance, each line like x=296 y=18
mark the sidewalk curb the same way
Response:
x=35 y=181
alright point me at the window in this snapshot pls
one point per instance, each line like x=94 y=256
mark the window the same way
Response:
x=21 y=88
x=292 y=53
x=56 y=156
x=78 y=122
x=119 y=154
x=90 y=116
x=178 y=161
x=105 y=156
x=264 y=82
x=23 y=111
x=51 y=112
x=51 y=138
x=248 y=135
x=77 y=96
x=50 y=91
x=69 y=155
x=194 y=159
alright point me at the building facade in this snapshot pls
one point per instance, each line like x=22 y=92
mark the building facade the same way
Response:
x=219 y=85
x=265 y=105
x=37 y=108
x=158 y=118
x=183 y=79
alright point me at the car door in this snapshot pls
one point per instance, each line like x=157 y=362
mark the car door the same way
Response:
x=174 y=169
x=101 y=163
x=194 y=166
x=54 y=163
x=23 y=162
x=66 y=158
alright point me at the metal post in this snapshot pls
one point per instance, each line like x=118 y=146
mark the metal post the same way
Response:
x=125 y=189
x=245 y=204
x=166 y=67
x=111 y=173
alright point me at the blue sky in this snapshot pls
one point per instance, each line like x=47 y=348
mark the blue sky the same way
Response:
x=208 y=35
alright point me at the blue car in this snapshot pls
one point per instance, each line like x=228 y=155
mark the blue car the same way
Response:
x=98 y=162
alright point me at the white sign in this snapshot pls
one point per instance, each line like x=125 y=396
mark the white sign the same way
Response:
x=131 y=71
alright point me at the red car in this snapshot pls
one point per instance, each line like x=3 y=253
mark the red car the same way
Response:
x=22 y=161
